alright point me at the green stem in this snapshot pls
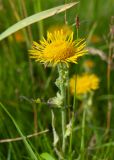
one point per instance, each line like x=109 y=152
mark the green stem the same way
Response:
x=109 y=109
x=77 y=33
x=82 y=136
x=62 y=81
x=73 y=119
x=71 y=138
x=65 y=16
x=63 y=115
x=38 y=8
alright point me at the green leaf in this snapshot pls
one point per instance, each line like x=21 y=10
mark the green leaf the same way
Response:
x=35 y=18
x=106 y=97
x=47 y=156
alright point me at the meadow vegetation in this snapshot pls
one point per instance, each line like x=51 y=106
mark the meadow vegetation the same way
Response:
x=60 y=106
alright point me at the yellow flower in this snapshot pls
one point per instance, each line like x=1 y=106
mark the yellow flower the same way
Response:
x=58 y=48
x=66 y=29
x=89 y=64
x=84 y=84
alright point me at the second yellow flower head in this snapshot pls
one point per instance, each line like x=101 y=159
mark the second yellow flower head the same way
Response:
x=84 y=84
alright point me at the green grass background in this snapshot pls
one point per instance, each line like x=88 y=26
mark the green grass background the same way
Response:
x=22 y=79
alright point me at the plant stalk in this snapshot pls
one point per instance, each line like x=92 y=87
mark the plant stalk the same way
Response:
x=83 y=133
x=61 y=84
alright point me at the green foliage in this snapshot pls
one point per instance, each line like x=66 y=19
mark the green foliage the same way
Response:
x=23 y=81
x=47 y=156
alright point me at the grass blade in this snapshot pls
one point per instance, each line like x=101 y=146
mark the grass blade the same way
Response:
x=35 y=18
x=30 y=151
x=47 y=156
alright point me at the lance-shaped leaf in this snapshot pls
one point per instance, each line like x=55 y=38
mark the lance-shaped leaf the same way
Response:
x=35 y=18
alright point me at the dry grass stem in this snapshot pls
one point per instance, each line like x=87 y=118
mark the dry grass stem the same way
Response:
x=20 y=138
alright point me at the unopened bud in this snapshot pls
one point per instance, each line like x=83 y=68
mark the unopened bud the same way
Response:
x=77 y=22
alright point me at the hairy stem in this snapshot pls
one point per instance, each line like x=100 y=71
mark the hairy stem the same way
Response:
x=62 y=84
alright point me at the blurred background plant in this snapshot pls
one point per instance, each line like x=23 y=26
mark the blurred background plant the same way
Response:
x=22 y=81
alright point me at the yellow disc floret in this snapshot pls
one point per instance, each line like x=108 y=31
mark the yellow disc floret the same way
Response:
x=59 y=50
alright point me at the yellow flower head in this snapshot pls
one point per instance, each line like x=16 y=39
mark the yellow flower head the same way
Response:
x=89 y=64
x=84 y=84
x=66 y=29
x=58 y=48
